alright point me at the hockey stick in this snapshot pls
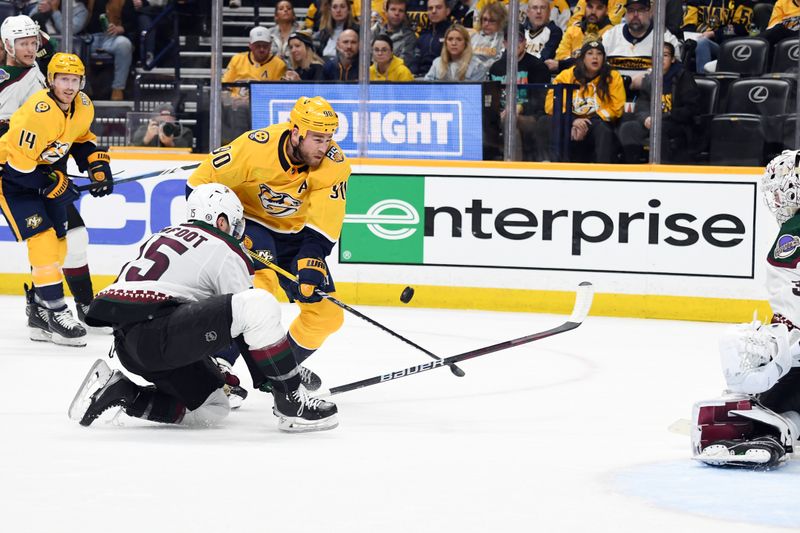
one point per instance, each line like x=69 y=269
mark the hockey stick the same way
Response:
x=154 y=174
x=288 y=275
x=583 y=302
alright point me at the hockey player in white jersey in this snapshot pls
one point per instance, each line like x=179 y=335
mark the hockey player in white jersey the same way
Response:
x=187 y=296
x=20 y=77
x=756 y=424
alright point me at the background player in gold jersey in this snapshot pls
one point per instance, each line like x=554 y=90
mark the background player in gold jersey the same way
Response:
x=292 y=180
x=35 y=190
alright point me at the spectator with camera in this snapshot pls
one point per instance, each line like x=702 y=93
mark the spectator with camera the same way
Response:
x=163 y=130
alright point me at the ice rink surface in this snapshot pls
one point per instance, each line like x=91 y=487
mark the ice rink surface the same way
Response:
x=565 y=434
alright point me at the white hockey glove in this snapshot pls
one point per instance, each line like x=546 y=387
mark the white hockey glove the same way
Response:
x=754 y=356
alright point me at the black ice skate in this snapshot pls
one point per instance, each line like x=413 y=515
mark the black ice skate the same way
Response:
x=64 y=329
x=38 y=327
x=81 y=310
x=299 y=412
x=102 y=389
x=308 y=379
x=760 y=454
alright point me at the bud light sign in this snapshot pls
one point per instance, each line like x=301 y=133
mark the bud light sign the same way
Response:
x=438 y=121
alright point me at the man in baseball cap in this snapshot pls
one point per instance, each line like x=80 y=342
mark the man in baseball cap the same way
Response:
x=259 y=63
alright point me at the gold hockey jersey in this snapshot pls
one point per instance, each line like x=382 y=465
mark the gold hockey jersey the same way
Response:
x=40 y=133
x=273 y=191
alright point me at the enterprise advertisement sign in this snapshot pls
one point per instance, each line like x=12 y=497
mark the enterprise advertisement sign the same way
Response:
x=405 y=120
x=595 y=225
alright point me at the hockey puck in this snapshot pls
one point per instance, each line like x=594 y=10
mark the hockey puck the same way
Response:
x=406 y=295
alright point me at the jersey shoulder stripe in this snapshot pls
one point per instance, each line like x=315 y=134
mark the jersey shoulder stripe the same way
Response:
x=10 y=75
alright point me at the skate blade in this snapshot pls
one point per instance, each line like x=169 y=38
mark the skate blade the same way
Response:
x=39 y=335
x=95 y=379
x=66 y=341
x=290 y=424
x=720 y=456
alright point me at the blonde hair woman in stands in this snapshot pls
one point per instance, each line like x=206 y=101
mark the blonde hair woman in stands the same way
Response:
x=285 y=25
x=456 y=62
x=487 y=42
x=306 y=64
x=335 y=18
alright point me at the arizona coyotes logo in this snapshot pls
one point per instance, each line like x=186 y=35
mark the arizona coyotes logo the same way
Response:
x=34 y=221
x=278 y=204
x=55 y=151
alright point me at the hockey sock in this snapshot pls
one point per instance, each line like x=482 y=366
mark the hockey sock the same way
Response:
x=80 y=283
x=152 y=404
x=300 y=353
x=278 y=364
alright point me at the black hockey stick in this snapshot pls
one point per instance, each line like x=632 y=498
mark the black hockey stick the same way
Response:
x=453 y=368
x=154 y=174
x=583 y=302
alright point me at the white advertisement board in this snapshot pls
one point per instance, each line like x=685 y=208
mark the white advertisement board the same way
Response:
x=697 y=233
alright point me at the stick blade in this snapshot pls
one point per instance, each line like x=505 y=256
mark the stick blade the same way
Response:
x=583 y=302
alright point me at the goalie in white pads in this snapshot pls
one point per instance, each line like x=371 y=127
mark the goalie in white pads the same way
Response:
x=757 y=423
x=186 y=297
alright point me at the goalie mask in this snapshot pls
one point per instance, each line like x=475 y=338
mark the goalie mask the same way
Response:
x=780 y=185
x=208 y=201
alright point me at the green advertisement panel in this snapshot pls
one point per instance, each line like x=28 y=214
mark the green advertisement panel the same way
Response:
x=384 y=221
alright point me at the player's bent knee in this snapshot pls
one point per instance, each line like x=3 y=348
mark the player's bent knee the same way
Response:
x=211 y=412
x=257 y=316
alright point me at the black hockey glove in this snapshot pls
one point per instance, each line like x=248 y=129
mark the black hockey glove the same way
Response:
x=312 y=273
x=62 y=190
x=100 y=172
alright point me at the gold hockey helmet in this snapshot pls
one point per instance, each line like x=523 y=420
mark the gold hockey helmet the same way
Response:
x=314 y=114
x=63 y=63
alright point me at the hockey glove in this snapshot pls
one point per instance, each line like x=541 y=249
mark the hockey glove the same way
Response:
x=62 y=189
x=312 y=273
x=100 y=172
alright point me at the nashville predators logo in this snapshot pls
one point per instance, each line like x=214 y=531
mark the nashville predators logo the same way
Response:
x=266 y=255
x=259 y=136
x=55 y=151
x=278 y=204
x=584 y=106
x=42 y=107
x=34 y=221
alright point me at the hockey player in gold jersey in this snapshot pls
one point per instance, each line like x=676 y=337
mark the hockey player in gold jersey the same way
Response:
x=35 y=190
x=292 y=180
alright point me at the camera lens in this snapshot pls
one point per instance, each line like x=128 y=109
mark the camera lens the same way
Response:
x=169 y=129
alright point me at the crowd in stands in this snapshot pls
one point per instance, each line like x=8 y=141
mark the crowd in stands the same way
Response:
x=604 y=47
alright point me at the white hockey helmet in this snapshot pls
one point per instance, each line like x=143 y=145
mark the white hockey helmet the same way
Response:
x=210 y=200
x=17 y=27
x=780 y=185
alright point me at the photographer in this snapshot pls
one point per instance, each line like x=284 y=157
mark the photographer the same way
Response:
x=164 y=130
